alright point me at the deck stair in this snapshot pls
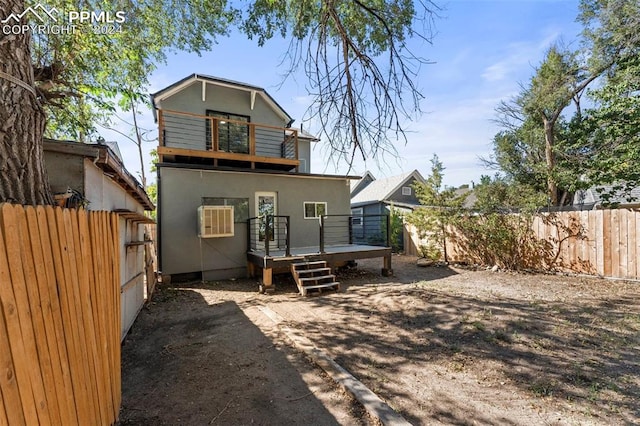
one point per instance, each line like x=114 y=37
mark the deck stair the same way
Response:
x=314 y=276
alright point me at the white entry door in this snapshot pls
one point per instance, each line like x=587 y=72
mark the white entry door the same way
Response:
x=266 y=206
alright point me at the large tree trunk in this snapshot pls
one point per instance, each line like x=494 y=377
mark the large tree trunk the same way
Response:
x=549 y=137
x=23 y=177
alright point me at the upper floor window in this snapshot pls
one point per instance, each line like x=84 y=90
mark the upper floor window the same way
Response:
x=406 y=190
x=233 y=135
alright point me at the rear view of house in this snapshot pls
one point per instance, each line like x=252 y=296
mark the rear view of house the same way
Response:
x=235 y=189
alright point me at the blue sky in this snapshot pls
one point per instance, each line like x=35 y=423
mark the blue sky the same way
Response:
x=482 y=50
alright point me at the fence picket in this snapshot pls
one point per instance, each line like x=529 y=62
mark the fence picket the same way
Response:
x=64 y=389
x=25 y=354
x=59 y=316
x=11 y=396
x=33 y=282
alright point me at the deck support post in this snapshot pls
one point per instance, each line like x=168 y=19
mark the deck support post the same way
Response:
x=387 y=271
x=251 y=270
x=267 y=278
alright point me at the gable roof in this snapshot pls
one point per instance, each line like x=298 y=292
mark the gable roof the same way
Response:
x=470 y=198
x=302 y=134
x=156 y=98
x=592 y=197
x=358 y=185
x=381 y=189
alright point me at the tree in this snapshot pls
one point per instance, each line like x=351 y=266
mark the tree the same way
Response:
x=608 y=135
x=78 y=76
x=360 y=96
x=23 y=178
x=439 y=208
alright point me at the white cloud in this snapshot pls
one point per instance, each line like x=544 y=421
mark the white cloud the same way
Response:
x=519 y=56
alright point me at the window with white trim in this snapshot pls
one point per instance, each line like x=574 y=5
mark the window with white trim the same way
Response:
x=406 y=190
x=314 y=209
x=356 y=217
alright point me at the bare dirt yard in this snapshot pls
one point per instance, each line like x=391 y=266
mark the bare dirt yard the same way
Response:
x=441 y=345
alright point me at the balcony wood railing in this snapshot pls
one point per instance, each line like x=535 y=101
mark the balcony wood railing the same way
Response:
x=192 y=135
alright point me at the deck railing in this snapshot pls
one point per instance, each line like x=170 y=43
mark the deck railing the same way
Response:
x=372 y=230
x=206 y=133
x=268 y=232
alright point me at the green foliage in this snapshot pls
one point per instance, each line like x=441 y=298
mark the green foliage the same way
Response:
x=396 y=224
x=430 y=250
x=152 y=192
x=553 y=85
x=501 y=239
x=500 y=195
x=439 y=207
x=500 y=232
x=83 y=76
x=598 y=146
x=607 y=136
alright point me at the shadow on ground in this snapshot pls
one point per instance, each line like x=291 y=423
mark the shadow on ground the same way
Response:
x=189 y=362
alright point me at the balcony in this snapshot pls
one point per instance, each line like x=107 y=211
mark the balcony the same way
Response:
x=202 y=139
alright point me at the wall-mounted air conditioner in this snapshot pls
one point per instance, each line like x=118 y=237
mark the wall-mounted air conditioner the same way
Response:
x=215 y=221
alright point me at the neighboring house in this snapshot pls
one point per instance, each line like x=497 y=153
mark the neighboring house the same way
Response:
x=93 y=175
x=470 y=196
x=591 y=198
x=371 y=197
x=376 y=196
x=235 y=189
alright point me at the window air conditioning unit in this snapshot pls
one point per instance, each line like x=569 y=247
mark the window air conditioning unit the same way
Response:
x=215 y=221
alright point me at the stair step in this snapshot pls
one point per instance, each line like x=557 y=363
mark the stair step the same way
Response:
x=317 y=262
x=312 y=271
x=332 y=284
x=321 y=277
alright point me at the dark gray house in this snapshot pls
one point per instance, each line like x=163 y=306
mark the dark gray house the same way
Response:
x=376 y=196
x=235 y=190
x=591 y=198
x=372 y=198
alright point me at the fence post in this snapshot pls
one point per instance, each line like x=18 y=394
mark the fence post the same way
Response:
x=288 y=236
x=350 y=229
x=321 y=234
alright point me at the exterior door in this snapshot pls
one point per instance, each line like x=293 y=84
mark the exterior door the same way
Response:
x=266 y=208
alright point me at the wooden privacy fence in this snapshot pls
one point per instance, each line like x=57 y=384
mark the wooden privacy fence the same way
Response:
x=59 y=316
x=594 y=242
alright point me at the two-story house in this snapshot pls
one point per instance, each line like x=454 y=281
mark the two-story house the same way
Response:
x=235 y=191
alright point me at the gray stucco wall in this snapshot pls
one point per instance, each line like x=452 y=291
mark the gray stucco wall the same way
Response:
x=181 y=191
x=304 y=153
x=190 y=133
x=407 y=199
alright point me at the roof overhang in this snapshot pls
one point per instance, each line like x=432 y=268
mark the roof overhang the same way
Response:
x=205 y=167
x=205 y=80
x=104 y=158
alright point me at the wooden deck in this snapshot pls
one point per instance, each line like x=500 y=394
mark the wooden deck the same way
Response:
x=278 y=259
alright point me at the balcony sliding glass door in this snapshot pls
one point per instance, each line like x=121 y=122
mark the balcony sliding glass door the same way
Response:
x=233 y=135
